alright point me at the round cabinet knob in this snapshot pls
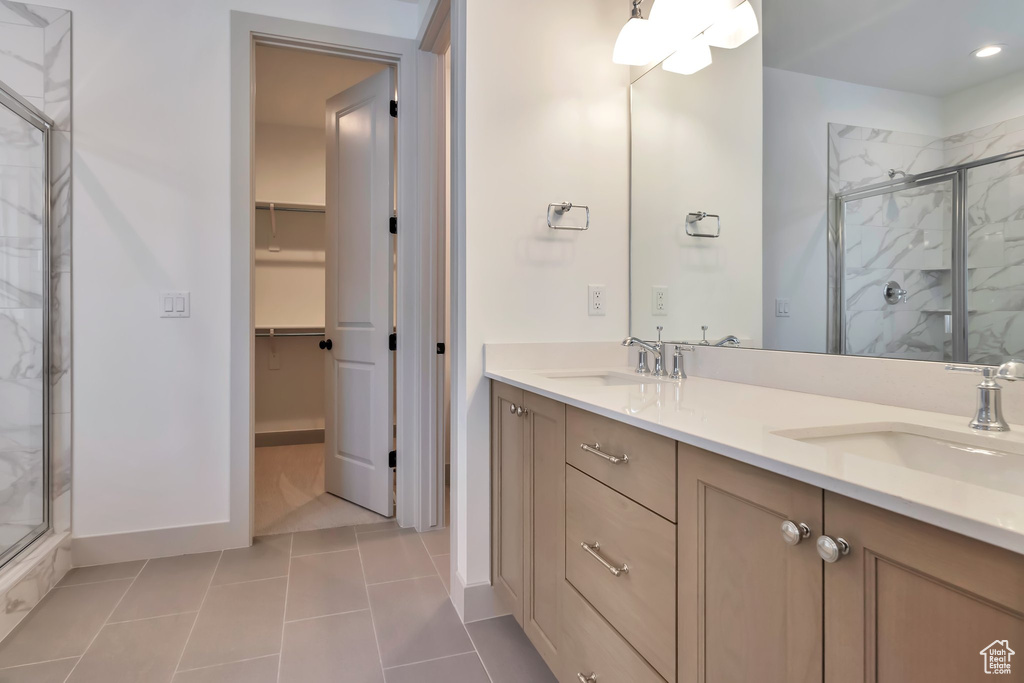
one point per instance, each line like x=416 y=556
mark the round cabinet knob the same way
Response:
x=512 y=408
x=832 y=550
x=520 y=411
x=592 y=678
x=793 y=533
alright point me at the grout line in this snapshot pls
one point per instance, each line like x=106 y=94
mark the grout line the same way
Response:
x=100 y=630
x=93 y=583
x=326 y=552
x=482 y=662
x=201 y=605
x=408 y=578
x=158 y=616
x=284 y=614
x=45 y=661
x=324 y=616
x=379 y=531
x=265 y=578
x=438 y=570
x=214 y=666
x=373 y=622
x=433 y=659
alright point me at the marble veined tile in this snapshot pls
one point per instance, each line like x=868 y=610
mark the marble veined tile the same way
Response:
x=996 y=289
x=21 y=489
x=21 y=201
x=21 y=344
x=57 y=71
x=863 y=288
x=985 y=246
x=915 y=335
x=839 y=130
x=865 y=335
x=892 y=248
x=21 y=143
x=863 y=163
x=1002 y=144
x=21 y=273
x=995 y=336
x=21 y=59
x=1013 y=243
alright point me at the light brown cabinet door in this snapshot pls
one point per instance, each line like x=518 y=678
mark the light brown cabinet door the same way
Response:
x=912 y=603
x=544 y=496
x=508 y=460
x=750 y=606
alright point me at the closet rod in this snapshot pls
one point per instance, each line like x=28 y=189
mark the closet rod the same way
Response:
x=290 y=334
x=295 y=209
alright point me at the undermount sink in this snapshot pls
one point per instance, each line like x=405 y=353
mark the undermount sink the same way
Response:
x=992 y=462
x=597 y=378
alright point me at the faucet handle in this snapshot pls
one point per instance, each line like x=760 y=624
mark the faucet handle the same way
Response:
x=1012 y=370
x=660 y=328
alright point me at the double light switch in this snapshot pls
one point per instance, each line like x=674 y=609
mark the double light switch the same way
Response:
x=174 y=304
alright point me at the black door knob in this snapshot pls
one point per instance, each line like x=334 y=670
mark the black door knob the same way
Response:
x=327 y=344
x=323 y=344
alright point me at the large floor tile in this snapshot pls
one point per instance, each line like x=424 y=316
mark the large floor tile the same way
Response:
x=375 y=527
x=438 y=542
x=337 y=648
x=262 y=670
x=415 y=622
x=266 y=558
x=326 y=583
x=102 y=572
x=506 y=652
x=47 y=672
x=323 y=541
x=146 y=650
x=168 y=585
x=394 y=555
x=62 y=624
x=459 y=669
x=238 y=621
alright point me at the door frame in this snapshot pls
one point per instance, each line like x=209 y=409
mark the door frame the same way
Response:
x=415 y=357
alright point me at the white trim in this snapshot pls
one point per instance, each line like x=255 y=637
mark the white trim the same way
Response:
x=87 y=551
x=412 y=330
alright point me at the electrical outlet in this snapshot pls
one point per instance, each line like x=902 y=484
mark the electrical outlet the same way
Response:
x=782 y=308
x=596 y=299
x=659 y=300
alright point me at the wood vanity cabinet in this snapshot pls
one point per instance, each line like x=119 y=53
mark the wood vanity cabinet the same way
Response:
x=528 y=512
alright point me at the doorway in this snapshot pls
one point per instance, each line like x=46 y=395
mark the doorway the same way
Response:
x=323 y=290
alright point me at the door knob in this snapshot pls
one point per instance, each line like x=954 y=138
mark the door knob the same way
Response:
x=832 y=550
x=793 y=533
x=520 y=411
x=512 y=408
x=328 y=344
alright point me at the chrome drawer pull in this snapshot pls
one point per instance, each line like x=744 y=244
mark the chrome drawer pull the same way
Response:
x=592 y=678
x=596 y=450
x=592 y=548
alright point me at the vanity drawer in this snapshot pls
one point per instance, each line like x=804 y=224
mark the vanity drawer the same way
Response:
x=648 y=475
x=591 y=647
x=638 y=602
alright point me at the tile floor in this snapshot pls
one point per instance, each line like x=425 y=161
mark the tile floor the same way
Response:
x=352 y=605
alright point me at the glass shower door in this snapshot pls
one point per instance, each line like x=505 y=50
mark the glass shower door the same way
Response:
x=896 y=270
x=24 y=277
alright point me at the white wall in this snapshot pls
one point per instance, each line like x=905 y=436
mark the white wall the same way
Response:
x=797 y=111
x=151 y=212
x=983 y=105
x=696 y=146
x=546 y=121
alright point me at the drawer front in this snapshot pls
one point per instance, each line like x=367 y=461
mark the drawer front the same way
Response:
x=647 y=475
x=592 y=648
x=639 y=602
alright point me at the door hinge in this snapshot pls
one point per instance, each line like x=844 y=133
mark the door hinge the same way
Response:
x=393 y=225
x=393 y=459
x=394 y=108
x=393 y=341
x=440 y=348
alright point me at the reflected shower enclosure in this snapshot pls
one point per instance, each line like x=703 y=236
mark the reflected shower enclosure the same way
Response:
x=24 y=323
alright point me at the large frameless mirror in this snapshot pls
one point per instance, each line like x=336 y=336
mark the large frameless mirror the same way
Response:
x=851 y=181
x=24 y=348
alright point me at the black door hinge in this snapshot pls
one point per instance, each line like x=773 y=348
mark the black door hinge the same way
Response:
x=394 y=108
x=393 y=459
x=393 y=342
x=393 y=225
x=440 y=348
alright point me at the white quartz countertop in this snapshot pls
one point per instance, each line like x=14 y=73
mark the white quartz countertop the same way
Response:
x=739 y=420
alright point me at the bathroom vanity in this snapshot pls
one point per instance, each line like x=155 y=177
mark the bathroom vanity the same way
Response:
x=649 y=530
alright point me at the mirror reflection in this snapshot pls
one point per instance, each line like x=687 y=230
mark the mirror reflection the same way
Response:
x=851 y=180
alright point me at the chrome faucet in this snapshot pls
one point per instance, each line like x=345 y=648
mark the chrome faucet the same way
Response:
x=657 y=348
x=730 y=340
x=989 y=414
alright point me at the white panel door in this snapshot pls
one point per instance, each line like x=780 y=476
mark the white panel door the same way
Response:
x=359 y=422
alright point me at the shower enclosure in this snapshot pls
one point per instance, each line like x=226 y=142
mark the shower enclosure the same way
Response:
x=930 y=266
x=24 y=323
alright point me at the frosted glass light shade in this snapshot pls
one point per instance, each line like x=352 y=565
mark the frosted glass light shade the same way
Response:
x=636 y=43
x=734 y=28
x=689 y=58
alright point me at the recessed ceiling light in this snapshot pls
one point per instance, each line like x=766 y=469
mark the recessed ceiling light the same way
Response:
x=988 y=51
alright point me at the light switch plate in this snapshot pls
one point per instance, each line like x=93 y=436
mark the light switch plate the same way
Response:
x=659 y=300
x=782 y=308
x=175 y=304
x=596 y=299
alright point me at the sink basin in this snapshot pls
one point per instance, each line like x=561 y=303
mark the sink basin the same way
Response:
x=992 y=462
x=597 y=378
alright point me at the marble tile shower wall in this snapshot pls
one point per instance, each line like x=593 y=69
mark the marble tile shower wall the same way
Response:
x=35 y=62
x=906 y=236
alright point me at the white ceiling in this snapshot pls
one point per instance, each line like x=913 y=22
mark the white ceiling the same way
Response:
x=919 y=46
x=292 y=86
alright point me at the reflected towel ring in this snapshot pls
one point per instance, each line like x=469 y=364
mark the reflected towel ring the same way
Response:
x=561 y=208
x=692 y=219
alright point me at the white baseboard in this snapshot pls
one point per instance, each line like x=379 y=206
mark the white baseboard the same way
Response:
x=143 y=545
x=475 y=602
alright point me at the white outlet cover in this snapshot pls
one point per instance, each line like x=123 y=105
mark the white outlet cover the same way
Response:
x=659 y=300
x=596 y=304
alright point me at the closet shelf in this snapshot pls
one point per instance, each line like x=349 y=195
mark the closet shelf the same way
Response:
x=290 y=331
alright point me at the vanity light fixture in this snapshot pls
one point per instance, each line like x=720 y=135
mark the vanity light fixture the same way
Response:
x=734 y=28
x=689 y=58
x=987 y=51
x=636 y=43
